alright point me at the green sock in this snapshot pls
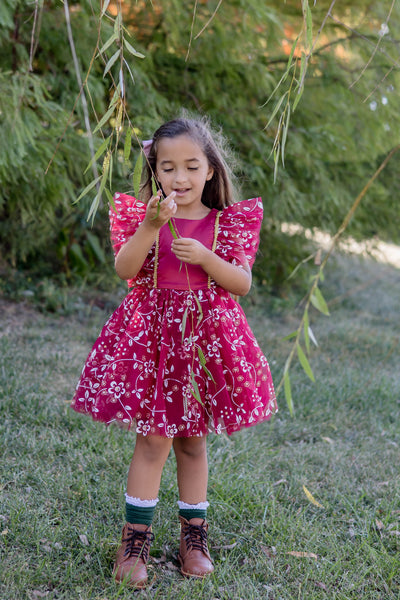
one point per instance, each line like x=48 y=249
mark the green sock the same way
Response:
x=192 y=513
x=139 y=514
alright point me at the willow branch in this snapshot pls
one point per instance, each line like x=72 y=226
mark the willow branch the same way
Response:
x=81 y=87
x=331 y=248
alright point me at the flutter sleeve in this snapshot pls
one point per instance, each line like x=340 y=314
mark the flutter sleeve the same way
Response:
x=239 y=232
x=124 y=219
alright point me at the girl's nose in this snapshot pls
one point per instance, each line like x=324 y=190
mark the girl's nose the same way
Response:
x=180 y=175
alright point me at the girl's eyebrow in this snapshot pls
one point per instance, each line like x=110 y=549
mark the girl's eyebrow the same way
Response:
x=163 y=162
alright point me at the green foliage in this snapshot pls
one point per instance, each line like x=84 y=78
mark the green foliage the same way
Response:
x=39 y=227
x=236 y=62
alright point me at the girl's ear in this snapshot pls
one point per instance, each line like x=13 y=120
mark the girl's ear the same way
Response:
x=210 y=173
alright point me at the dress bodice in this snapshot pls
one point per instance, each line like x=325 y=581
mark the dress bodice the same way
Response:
x=233 y=234
x=169 y=271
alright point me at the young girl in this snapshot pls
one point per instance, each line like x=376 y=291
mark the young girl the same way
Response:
x=177 y=360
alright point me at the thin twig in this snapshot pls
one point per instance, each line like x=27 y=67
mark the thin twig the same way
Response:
x=375 y=49
x=209 y=20
x=379 y=84
x=366 y=39
x=191 y=31
x=32 y=48
x=71 y=115
x=328 y=14
x=82 y=95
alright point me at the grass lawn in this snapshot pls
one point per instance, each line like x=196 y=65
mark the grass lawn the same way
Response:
x=63 y=477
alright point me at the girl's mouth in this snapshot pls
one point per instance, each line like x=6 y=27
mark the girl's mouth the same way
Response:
x=181 y=192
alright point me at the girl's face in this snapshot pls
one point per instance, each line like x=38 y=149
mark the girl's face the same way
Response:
x=182 y=167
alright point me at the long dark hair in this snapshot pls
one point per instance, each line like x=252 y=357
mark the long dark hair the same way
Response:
x=219 y=191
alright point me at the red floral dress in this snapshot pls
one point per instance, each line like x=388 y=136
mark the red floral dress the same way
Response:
x=178 y=358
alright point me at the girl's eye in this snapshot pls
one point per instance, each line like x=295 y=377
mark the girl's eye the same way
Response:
x=167 y=170
x=193 y=168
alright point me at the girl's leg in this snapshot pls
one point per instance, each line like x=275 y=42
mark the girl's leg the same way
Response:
x=192 y=466
x=147 y=464
x=144 y=478
x=192 y=472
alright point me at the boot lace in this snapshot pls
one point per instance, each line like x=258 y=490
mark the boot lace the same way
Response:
x=195 y=537
x=138 y=543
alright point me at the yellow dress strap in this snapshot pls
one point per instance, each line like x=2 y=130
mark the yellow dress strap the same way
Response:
x=214 y=244
x=156 y=260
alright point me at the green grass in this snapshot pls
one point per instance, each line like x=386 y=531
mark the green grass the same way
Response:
x=63 y=477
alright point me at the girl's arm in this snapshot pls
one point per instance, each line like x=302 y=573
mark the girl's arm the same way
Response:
x=133 y=253
x=235 y=279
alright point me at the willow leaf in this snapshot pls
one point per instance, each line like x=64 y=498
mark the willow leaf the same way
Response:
x=184 y=318
x=118 y=23
x=112 y=60
x=100 y=151
x=110 y=198
x=108 y=43
x=306 y=328
x=128 y=146
x=88 y=188
x=137 y=173
x=302 y=262
x=289 y=63
x=96 y=202
x=132 y=50
x=298 y=97
x=288 y=392
x=289 y=336
x=200 y=317
x=304 y=363
x=277 y=150
x=105 y=118
x=110 y=170
x=195 y=391
x=105 y=6
x=202 y=359
x=277 y=107
x=318 y=301
x=312 y=336
x=284 y=134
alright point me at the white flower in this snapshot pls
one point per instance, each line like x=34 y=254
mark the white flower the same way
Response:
x=384 y=100
x=212 y=349
x=171 y=430
x=143 y=428
x=373 y=105
x=117 y=389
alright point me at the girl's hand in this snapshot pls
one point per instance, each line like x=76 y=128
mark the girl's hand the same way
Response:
x=189 y=251
x=159 y=212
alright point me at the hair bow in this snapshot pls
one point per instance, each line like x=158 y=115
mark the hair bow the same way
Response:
x=146 y=147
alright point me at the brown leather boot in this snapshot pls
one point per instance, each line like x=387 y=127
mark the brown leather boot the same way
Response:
x=133 y=554
x=193 y=555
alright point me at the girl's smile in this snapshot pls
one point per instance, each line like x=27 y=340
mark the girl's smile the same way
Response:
x=182 y=167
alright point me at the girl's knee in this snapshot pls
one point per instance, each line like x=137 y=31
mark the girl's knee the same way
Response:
x=192 y=447
x=153 y=447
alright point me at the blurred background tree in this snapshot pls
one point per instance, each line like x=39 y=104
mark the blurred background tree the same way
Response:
x=220 y=58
